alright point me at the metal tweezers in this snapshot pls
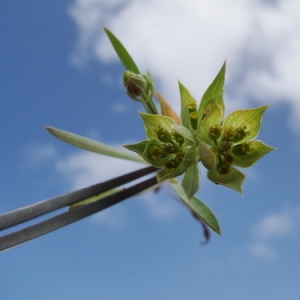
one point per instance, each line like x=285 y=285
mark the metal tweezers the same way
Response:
x=38 y=209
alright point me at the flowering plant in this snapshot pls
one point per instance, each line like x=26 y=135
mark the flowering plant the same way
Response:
x=175 y=145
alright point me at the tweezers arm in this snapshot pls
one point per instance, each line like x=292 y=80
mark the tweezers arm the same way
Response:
x=23 y=214
x=73 y=215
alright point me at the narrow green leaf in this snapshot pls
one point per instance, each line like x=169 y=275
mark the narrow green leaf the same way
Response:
x=195 y=205
x=130 y=65
x=121 y=51
x=191 y=180
x=258 y=149
x=215 y=89
x=234 y=179
x=93 y=198
x=91 y=145
x=107 y=193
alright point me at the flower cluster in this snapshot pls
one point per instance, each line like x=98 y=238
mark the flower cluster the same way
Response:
x=232 y=142
x=170 y=147
x=220 y=144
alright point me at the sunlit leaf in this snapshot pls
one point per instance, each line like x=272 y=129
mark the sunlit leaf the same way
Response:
x=251 y=118
x=138 y=147
x=215 y=89
x=258 y=149
x=154 y=122
x=187 y=101
x=185 y=95
x=213 y=118
x=234 y=179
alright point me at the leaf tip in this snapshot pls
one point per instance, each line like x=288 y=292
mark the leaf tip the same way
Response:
x=49 y=129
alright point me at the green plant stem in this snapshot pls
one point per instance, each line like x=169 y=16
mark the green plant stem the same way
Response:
x=150 y=107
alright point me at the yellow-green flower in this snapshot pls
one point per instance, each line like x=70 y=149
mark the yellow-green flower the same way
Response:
x=232 y=140
x=205 y=135
x=171 y=147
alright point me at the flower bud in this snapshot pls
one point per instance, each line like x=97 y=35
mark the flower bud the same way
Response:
x=215 y=132
x=230 y=133
x=241 y=133
x=135 y=84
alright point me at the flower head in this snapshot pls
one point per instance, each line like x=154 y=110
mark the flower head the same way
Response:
x=233 y=141
x=205 y=135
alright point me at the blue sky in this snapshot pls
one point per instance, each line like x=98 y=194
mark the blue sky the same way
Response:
x=57 y=68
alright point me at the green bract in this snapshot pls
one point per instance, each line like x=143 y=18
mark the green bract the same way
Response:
x=231 y=140
x=171 y=148
x=176 y=145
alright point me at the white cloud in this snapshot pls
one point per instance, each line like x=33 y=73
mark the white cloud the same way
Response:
x=262 y=251
x=84 y=168
x=260 y=40
x=119 y=107
x=81 y=169
x=272 y=228
x=35 y=154
x=90 y=16
x=158 y=207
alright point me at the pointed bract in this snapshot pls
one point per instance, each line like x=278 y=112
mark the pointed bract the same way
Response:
x=234 y=179
x=214 y=90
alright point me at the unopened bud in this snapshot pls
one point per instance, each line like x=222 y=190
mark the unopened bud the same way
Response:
x=135 y=84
